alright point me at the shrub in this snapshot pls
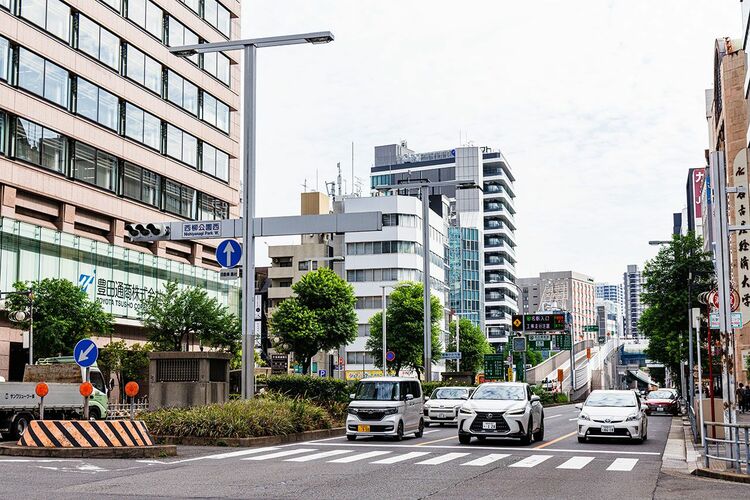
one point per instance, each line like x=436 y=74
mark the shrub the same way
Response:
x=262 y=416
x=547 y=397
x=318 y=389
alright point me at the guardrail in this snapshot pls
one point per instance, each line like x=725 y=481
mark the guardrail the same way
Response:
x=735 y=450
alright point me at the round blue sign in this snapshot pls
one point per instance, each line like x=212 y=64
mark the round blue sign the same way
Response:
x=390 y=356
x=85 y=353
x=228 y=253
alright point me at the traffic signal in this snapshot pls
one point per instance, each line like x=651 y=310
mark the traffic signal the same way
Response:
x=148 y=232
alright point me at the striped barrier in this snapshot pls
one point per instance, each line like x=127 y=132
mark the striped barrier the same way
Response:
x=86 y=434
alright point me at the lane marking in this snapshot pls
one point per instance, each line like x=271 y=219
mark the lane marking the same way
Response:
x=233 y=454
x=279 y=454
x=487 y=459
x=544 y=445
x=492 y=448
x=575 y=463
x=531 y=461
x=401 y=458
x=315 y=456
x=623 y=464
x=571 y=419
x=430 y=432
x=443 y=458
x=38 y=460
x=437 y=441
x=356 y=458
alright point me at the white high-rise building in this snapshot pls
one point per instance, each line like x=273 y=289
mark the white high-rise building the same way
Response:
x=614 y=293
x=633 y=282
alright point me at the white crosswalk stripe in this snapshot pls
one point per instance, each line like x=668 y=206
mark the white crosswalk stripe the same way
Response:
x=531 y=461
x=575 y=463
x=280 y=454
x=623 y=464
x=357 y=458
x=233 y=454
x=316 y=456
x=487 y=459
x=401 y=458
x=442 y=459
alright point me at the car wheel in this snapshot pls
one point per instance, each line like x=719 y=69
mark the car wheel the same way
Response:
x=426 y=424
x=581 y=439
x=539 y=435
x=19 y=425
x=526 y=439
x=351 y=437
x=420 y=431
x=464 y=438
x=399 y=431
x=645 y=435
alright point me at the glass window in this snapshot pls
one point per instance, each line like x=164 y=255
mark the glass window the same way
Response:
x=3 y=128
x=5 y=4
x=195 y=5
x=141 y=126
x=174 y=142
x=51 y=15
x=131 y=181
x=106 y=168
x=178 y=34
x=153 y=75
x=115 y=4
x=27 y=141
x=182 y=93
x=141 y=184
x=4 y=47
x=97 y=104
x=143 y=69
x=215 y=162
x=187 y=202
x=98 y=42
x=223 y=22
x=147 y=15
x=222 y=116
x=56 y=84
x=217 y=64
x=182 y=146
x=190 y=97
x=84 y=163
x=210 y=11
x=54 y=150
x=211 y=208
x=215 y=112
x=190 y=150
x=222 y=165
x=30 y=72
x=151 y=188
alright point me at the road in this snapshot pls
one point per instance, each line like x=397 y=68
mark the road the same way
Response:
x=435 y=466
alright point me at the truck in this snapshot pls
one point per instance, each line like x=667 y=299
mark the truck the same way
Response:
x=19 y=403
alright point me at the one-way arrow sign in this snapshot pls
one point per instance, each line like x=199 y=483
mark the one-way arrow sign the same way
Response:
x=85 y=353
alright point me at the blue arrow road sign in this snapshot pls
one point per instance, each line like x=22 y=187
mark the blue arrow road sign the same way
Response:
x=85 y=353
x=228 y=253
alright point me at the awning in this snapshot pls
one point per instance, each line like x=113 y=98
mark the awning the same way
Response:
x=642 y=377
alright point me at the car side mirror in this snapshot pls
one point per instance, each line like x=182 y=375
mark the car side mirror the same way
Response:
x=352 y=396
x=579 y=406
x=427 y=398
x=535 y=398
x=409 y=397
x=464 y=396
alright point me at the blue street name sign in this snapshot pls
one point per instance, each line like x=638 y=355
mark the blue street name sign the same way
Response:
x=85 y=353
x=228 y=253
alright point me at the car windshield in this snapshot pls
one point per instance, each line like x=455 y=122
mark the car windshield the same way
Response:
x=377 y=391
x=611 y=399
x=501 y=392
x=449 y=393
x=660 y=395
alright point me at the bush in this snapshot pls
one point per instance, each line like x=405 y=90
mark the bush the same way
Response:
x=547 y=397
x=262 y=416
x=318 y=389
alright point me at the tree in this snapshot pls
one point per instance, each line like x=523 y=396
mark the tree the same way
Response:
x=63 y=315
x=665 y=320
x=472 y=344
x=404 y=324
x=129 y=363
x=320 y=316
x=175 y=316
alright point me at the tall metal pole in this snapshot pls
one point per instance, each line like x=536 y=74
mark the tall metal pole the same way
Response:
x=31 y=328
x=427 y=318
x=385 y=366
x=691 y=382
x=458 y=361
x=572 y=363
x=700 y=382
x=248 y=215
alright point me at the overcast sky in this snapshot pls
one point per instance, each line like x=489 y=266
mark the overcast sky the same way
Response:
x=597 y=105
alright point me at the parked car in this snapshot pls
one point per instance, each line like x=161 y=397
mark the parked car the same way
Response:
x=663 y=402
x=386 y=406
x=441 y=407
x=612 y=414
x=502 y=410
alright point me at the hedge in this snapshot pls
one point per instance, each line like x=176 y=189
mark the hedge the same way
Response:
x=547 y=397
x=318 y=389
x=262 y=416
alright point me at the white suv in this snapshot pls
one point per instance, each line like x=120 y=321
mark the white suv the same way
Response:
x=386 y=406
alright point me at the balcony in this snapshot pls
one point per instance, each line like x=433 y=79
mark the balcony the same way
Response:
x=490 y=224
x=493 y=206
x=491 y=242
x=492 y=188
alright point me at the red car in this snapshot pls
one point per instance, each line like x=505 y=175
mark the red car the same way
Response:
x=662 y=402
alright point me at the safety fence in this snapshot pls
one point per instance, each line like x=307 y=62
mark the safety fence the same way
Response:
x=122 y=411
x=732 y=450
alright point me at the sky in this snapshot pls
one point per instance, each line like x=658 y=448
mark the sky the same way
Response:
x=597 y=105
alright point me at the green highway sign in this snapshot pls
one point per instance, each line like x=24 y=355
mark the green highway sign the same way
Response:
x=563 y=341
x=543 y=322
x=591 y=328
x=493 y=367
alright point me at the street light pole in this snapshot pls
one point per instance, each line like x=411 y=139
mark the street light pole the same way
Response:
x=249 y=47
x=385 y=318
x=427 y=319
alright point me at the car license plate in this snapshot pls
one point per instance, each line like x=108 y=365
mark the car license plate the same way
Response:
x=489 y=426
x=363 y=428
x=608 y=428
x=660 y=408
x=443 y=415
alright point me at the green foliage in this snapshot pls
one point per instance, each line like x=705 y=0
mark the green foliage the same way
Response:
x=131 y=363
x=404 y=325
x=317 y=389
x=63 y=315
x=236 y=362
x=472 y=344
x=665 y=320
x=176 y=315
x=320 y=316
x=533 y=357
x=262 y=416
x=547 y=397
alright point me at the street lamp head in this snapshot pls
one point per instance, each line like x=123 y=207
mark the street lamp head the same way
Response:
x=659 y=242
x=184 y=53
x=320 y=39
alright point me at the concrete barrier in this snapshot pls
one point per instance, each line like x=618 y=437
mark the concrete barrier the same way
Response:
x=85 y=434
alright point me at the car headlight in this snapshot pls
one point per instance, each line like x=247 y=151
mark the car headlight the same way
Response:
x=517 y=411
x=632 y=418
x=352 y=411
x=583 y=416
x=466 y=411
x=390 y=411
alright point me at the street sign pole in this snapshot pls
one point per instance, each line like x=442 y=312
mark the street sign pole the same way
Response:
x=458 y=361
x=427 y=318
x=572 y=364
x=385 y=365
x=86 y=378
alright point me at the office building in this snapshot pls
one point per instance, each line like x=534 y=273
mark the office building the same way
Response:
x=633 y=284
x=614 y=293
x=100 y=126
x=608 y=318
x=489 y=210
x=464 y=283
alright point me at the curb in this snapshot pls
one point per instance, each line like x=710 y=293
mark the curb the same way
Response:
x=727 y=476
x=13 y=450
x=674 y=457
x=247 y=442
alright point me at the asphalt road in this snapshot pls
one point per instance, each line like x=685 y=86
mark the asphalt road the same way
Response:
x=435 y=466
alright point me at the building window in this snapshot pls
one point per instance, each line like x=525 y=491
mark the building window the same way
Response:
x=50 y=15
x=211 y=208
x=42 y=77
x=179 y=199
x=142 y=69
x=115 y=4
x=98 y=42
x=141 y=184
x=182 y=146
x=94 y=166
x=178 y=35
x=3 y=127
x=182 y=93
x=4 y=51
x=40 y=146
x=5 y=4
x=215 y=112
x=215 y=162
x=142 y=127
x=96 y=104
x=217 y=64
x=147 y=15
x=304 y=265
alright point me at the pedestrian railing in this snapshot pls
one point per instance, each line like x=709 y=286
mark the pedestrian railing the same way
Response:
x=693 y=422
x=120 y=411
x=733 y=450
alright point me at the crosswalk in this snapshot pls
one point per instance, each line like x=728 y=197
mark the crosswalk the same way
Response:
x=429 y=458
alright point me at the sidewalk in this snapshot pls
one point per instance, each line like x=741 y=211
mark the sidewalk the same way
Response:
x=694 y=459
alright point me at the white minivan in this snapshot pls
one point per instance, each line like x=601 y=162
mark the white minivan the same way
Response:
x=386 y=406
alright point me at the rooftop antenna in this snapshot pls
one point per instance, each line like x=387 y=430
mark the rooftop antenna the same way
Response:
x=338 y=179
x=317 y=181
x=352 y=167
x=304 y=185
